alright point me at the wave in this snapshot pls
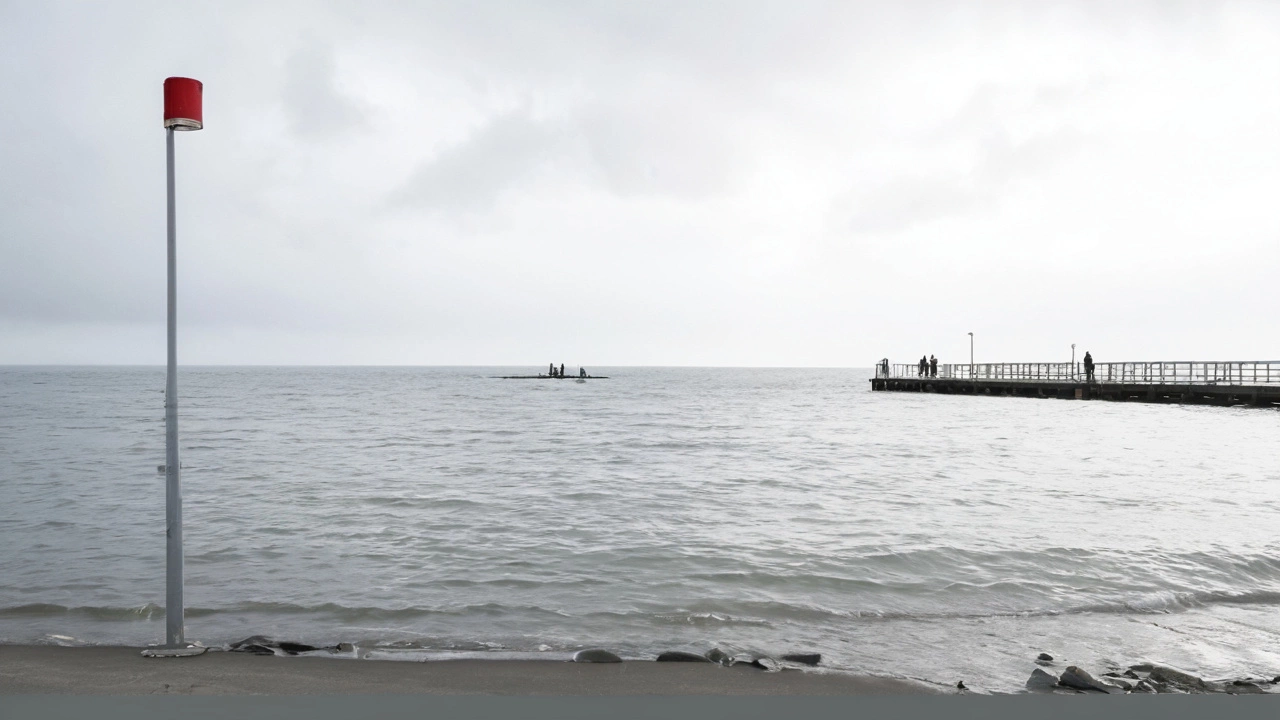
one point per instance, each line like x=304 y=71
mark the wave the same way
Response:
x=703 y=613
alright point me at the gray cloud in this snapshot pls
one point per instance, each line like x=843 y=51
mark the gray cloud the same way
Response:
x=311 y=97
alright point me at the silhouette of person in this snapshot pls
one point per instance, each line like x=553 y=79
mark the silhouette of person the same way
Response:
x=582 y=372
x=561 y=369
x=1088 y=366
x=924 y=366
x=551 y=370
x=933 y=366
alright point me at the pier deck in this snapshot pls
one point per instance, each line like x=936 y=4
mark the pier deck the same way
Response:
x=1218 y=383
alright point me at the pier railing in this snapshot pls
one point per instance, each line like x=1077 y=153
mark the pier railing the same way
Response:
x=1236 y=372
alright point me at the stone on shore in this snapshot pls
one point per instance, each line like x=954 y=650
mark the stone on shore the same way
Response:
x=803 y=658
x=1170 y=676
x=1044 y=657
x=1041 y=681
x=681 y=656
x=1074 y=677
x=595 y=655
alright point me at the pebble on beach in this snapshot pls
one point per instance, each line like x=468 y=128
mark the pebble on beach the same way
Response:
x=595 y=656
x=1045 y=657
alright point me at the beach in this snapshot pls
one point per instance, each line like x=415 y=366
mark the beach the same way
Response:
x=38 y=670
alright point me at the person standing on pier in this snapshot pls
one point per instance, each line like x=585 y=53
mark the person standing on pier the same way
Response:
x=922 y=365
x=561 y=369
x=1088 y=367
x=551 y=370
x=933 y=366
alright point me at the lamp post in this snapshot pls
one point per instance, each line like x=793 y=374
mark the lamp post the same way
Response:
x=1073 y=361
x=971 y=376
x=183 y=110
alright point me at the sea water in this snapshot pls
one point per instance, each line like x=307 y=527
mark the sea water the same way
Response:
x=419 y=512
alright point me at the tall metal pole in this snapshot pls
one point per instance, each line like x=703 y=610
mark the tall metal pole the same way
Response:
x=173 y=608
x=971 y=377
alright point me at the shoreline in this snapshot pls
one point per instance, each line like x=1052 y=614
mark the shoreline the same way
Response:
x=114 y=670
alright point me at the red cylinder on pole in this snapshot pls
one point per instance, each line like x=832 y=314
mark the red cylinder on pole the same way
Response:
x=183 y=103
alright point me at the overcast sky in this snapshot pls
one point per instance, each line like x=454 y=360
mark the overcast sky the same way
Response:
x=643 y=183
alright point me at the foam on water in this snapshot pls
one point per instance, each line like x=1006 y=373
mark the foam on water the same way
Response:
x=437 y=510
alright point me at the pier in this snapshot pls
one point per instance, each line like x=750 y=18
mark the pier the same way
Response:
x=1249 y=382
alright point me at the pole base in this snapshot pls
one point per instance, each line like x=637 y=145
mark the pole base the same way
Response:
x=188 y=651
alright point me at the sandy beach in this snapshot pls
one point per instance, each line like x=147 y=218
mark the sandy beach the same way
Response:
x=33 y=669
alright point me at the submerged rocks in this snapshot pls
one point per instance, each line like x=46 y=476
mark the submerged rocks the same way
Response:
x=1044 y=657
x=803 y=658
x=681 y=656
x=716 y=655
x=595 y=655
x=262 y=645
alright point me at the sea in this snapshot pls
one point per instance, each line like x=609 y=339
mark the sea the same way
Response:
x=435 y=512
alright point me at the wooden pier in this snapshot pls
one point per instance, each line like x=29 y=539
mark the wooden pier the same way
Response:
x=1217 y=383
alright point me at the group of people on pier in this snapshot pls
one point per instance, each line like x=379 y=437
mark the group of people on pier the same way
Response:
x=928 y=366
x=552 y=371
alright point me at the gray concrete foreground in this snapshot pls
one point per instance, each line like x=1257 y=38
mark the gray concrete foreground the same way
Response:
x=35 y=669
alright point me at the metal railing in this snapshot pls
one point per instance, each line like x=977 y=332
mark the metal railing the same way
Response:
x=1234 y=372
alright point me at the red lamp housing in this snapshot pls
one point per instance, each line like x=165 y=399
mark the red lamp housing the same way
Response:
x=183 y=103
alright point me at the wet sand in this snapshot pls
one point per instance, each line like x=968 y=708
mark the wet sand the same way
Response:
x=34 y=669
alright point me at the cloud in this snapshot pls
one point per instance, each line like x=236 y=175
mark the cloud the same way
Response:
x=311 y=97
x=473 y=174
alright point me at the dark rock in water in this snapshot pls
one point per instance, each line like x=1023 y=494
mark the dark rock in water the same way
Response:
x=294 y=648
x=1170 y=676
x=803 y=658
x=595 y=656
x=1130 y=674
x=1122 y=684
x=1240 y=687
x=262 y=645
x=1142 y=686
x=254 y=645
x=1074 y=677
x=1041 y=681
x=1275 y=680
x=716 y=655
x=1142 y=667
x=680 y=656
x=345 y=647
x=1045 y=657
x=960 y=686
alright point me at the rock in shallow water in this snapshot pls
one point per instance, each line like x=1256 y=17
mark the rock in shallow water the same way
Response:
x=681 y=656
x=1041 y=681
x=1142 y=686
x=1044 y=657
x=1170 y=676
x=1074 y=677
x=595 y=656
x=716 y=655
x=803 y=658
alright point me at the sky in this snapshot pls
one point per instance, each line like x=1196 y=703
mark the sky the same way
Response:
x=643 y=183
